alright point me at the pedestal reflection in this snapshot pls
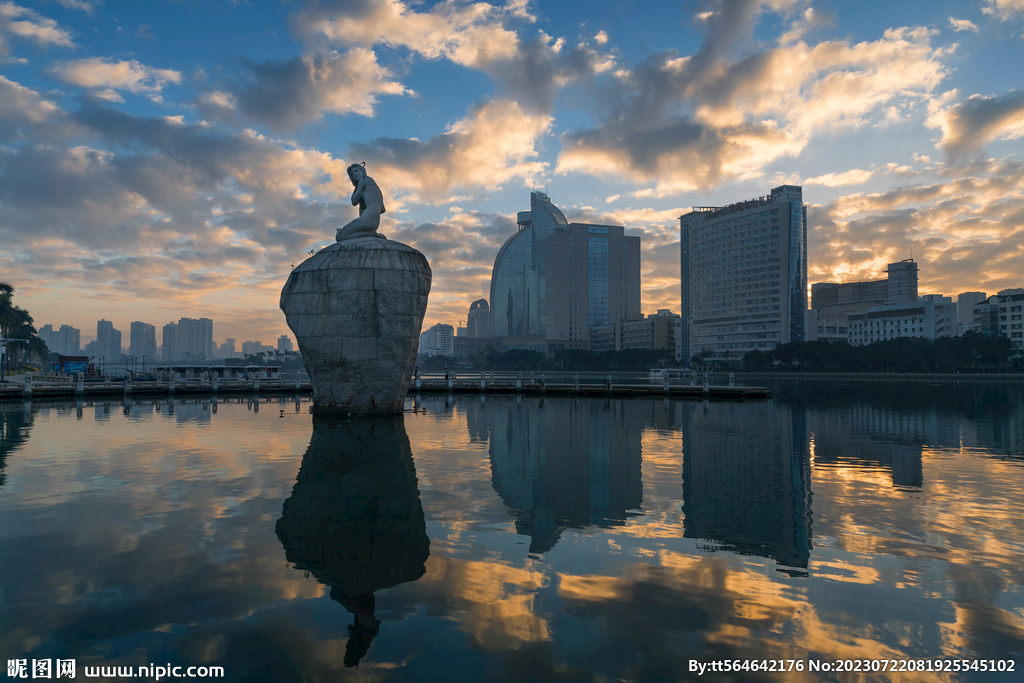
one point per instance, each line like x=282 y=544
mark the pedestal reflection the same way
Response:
x=354 y=519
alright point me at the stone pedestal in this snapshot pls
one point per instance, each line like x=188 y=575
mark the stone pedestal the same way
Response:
x=356 y=309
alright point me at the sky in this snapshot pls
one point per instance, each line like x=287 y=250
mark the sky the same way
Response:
x=163 y=159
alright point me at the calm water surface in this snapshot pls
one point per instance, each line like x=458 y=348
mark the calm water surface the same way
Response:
x=501 y=539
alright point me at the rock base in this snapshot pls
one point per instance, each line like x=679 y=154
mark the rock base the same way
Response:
x=356 y=309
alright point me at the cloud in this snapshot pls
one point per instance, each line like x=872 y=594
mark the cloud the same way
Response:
x=461 y=250
x=23 y=110
x=159 y=209
x=493 y=144
x=470 y=35
x=28 y=24
x=966 y=232
x=854 y=176
x=82 y=5
x=969 y=124
x=287 y=94
x=693 y=122
x=1004 y=9
x=959 y=25
x=100 y=74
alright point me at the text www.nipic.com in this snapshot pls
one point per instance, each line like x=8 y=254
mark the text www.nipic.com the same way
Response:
x=153 y=671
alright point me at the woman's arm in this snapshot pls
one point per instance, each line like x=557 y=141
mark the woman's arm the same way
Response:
x=357 y=194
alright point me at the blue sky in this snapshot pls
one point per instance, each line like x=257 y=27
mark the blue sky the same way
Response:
x=168 y=159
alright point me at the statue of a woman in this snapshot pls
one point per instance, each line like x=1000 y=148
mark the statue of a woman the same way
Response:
x=371 y=205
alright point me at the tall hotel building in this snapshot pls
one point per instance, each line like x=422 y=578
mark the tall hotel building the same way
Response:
x=743 y=269
x=553 y=280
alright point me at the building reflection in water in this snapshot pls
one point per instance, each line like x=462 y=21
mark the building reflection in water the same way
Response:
x=562 y=463
x=747 y=482
x=354 y=519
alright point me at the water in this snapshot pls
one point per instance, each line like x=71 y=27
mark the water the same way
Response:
x=508 y=540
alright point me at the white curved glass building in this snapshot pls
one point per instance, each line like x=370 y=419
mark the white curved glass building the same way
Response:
x=553 y=280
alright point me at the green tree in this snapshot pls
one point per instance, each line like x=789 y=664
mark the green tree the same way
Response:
x=16 y=323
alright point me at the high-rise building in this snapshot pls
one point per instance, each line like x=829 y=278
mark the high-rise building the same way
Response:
x=195 y=338
x=553 y=280
x=965 y=303
x=170 y=342
x=478 y=323
x=743 y=270
x=108 y=341
x=143 y=340
x=284 y=344
x=253 y=347
x=69 y=341
x=227 y=349
x=115 y=350
x=48 y=336
x=475 y=338
x=439 y=340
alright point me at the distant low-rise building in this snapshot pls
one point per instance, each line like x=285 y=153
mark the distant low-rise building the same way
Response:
x=833 y=302
x=965 y=303
x=930 y=317
x=606 y=337
x=439 y=340
x=655 y=332
x=1002 y=314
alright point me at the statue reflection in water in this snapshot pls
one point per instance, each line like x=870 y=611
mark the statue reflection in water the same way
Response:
x=354 y=519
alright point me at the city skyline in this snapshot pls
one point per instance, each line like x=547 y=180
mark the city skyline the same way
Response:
x=196 y=341
x=169 y=161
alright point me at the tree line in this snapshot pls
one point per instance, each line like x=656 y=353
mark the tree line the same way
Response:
x=972 y=352
x=16 y=323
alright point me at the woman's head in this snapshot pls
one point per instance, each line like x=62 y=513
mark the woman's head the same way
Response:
x=356 y=171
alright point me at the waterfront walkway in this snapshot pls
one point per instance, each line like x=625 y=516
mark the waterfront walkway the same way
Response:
x=50 y=387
